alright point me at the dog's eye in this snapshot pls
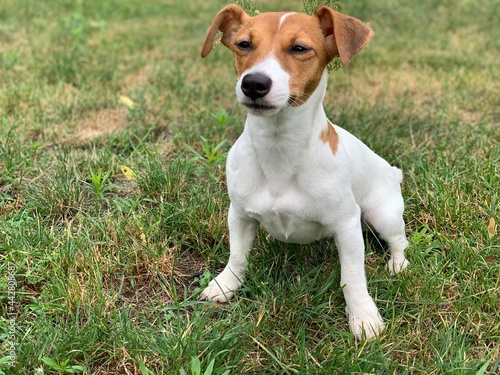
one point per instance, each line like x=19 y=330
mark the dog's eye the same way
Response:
x=244 y=45
x=297 y=48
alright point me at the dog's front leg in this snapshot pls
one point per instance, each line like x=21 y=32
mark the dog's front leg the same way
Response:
x=242 y=232
x=361 y=311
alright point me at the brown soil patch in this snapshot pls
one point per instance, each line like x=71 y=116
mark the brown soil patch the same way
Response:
x=151 y=282
x=148 y=291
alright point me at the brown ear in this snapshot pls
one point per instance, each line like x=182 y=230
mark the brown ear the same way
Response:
x=228 y=20
x=345 y=36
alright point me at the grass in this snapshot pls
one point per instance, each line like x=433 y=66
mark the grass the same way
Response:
x=113 y=137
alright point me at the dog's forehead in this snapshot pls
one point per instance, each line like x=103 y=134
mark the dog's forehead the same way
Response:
x=273 y=23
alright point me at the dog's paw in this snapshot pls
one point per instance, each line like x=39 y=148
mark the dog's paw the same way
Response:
x=395 y=266
x=222 y=288
x=365 y=324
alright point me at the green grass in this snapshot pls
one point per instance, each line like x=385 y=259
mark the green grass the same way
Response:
x=109 y=264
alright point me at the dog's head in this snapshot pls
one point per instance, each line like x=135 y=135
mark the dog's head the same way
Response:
x=280 y=57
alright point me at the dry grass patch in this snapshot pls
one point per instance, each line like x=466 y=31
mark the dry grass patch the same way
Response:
x=423 y=89
x=101 y=122
x=138 y=78
x=98 y=123
x=147 y=281
x=374 y=86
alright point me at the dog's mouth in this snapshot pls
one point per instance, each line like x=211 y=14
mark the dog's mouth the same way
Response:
x=259 y=107
x=265 y=108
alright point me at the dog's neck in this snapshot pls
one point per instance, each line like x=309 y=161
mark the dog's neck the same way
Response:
x=281 y=140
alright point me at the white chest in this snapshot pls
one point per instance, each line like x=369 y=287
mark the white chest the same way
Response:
x=287 y=212
x=285 y=179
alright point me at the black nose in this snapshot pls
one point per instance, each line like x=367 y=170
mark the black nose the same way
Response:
x=256 y=85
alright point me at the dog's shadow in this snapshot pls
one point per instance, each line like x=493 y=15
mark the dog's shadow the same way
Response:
x=279 y=267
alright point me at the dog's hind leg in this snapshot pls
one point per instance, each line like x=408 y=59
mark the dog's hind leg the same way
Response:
x=385 y=215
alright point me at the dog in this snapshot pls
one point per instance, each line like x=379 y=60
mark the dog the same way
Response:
x=291 y=170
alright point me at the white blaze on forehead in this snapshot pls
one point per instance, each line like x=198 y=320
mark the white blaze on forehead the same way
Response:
x=283 y=18
x=269 y=66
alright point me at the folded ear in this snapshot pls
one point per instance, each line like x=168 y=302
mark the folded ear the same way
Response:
x=344 y=36
x=228 y=20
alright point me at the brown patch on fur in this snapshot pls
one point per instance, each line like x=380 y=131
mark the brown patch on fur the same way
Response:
x=330 y=136
x=345 y=36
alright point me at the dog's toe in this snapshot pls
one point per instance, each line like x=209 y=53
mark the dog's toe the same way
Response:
x=222 y=288
x=365 y=325
x=395 y=266
x=216 y=294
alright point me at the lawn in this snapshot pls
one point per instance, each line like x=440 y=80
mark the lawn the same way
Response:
x=113 y=138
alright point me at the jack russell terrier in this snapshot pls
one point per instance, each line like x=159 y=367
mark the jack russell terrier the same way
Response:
x=291 y=170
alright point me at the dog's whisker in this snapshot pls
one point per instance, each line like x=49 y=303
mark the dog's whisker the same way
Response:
x=297 y=98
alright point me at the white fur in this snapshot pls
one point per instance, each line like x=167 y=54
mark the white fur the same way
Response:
x=282 y=175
